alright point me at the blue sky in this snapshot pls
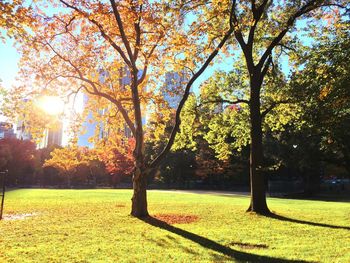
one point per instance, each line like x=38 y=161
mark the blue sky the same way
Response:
x=9 y=58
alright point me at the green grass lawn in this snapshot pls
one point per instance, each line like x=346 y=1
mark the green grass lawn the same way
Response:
x=95 y=226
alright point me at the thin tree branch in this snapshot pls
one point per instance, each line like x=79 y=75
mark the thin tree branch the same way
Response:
x=257 y=14
x=266 y=68
x=145 y=67
x=66 y=31
x=231 y=102
x=75 y=93
x=176 y=127
x=287 y=47
x=138 y=36
x=122 y=32
x=115 y=102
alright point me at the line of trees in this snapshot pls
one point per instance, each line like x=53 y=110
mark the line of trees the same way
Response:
x=81 y=167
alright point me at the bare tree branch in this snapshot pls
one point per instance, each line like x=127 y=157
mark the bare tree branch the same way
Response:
x=231 y=102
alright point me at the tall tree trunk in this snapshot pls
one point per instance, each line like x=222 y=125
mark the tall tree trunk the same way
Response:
x=139 y=198
x=257 y=178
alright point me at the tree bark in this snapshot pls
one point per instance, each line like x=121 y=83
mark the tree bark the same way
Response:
x=139 y=198
x=257 y=179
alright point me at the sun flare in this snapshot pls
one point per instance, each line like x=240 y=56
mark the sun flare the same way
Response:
x=51 y=105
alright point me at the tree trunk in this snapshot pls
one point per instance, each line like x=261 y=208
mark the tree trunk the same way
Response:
x=257 y=178
x=139 y=198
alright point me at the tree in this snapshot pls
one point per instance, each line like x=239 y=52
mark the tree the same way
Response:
x=18 y=157
x=262 y=30
x=86 y=45
x=322 y=89
x=67 y=160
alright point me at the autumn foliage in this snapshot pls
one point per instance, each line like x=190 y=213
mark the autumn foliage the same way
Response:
x=118 y=162
x=18 y=157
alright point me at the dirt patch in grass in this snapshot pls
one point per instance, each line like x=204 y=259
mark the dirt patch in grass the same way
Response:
x=119 y=205
x=18 y=216
x=177 y=218
x=249 y=245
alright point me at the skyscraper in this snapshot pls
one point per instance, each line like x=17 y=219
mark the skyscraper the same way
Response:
x=6 y=130
x=52 y=136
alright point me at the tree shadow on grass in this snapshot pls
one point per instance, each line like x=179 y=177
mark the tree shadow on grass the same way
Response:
x=298 y=221
x=213 y=245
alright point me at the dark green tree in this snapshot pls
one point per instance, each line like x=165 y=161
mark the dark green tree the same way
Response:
x=322 y=88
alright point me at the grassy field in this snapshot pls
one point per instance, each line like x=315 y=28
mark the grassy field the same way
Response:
x=95 y=226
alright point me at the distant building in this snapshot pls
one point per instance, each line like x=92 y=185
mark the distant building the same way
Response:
x=173 y=87
x=52 y=136
x=6 y=130
x=55 y=135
